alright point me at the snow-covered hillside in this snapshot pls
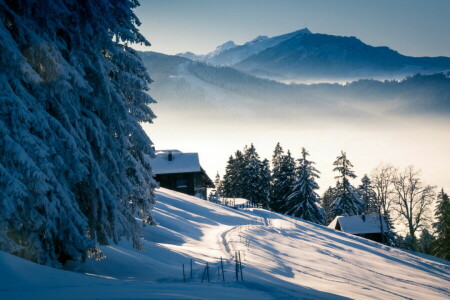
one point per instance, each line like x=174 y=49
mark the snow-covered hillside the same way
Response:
x=282 y=258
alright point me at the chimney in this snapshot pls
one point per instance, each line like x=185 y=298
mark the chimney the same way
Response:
x=170 y=156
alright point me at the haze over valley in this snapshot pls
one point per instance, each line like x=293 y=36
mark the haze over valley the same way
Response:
x=216 y=109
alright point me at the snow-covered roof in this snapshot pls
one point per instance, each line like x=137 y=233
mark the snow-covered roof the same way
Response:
x=180 y=163
x=359 y=224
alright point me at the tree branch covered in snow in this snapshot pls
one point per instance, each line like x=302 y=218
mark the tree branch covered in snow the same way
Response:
x=74 y=167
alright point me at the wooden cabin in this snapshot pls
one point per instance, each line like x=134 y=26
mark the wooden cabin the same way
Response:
x=181 y=172
x=367 y=226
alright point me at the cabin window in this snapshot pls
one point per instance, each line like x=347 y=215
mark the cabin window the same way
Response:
x=181 y=183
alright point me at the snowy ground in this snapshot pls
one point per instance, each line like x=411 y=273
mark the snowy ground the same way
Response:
x=282 y=258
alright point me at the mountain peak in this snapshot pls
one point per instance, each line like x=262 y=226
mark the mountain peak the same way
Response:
x=225 y=46
x=259 y=38
x=303 y=31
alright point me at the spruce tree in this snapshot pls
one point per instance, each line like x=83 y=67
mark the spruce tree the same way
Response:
x=347 y=202
x=74 y=163
x=283 y=176
x=303 y=200
x=218 y=184
x=425 y=241
x=251 y=179
x=230 y=180
x=264 y=184
x=327 y=199
x=441 y=246
x=368 y=196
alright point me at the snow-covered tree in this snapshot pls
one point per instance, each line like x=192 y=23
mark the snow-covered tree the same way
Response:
x=218 y=184
x=367 y=195
x=283 y=177
x=74 y=163
x=426 y=239
x=255 y=178
x=264 y=184
x=327 y=199
x=232 y=184
x=347 y=202
x=303 y=200
x=441 y=246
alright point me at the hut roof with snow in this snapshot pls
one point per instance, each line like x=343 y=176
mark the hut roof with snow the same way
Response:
x=359 y=225
x=181 y=172
x=175 y=161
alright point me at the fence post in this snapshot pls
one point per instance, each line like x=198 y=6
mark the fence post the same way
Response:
x=203 y=276
x=207 y=268
x=223 y=273
x=184 y=276
x=236 y=267
x=240 y=265
x=191 y=268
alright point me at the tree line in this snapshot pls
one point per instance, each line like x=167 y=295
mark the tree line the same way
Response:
x=287 y=185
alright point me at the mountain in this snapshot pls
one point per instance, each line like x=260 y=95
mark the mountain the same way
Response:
x=328 y=56
x=282 y=258
x=180 y=82
x=302 y=55
x=219 y=49
x=229 y=53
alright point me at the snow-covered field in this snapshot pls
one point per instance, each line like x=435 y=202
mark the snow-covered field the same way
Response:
x=282 y=258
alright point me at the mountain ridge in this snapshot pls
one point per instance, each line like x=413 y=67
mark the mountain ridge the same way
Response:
x=305 y=55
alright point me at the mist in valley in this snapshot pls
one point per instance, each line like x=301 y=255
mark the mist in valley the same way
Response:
x=401 y=140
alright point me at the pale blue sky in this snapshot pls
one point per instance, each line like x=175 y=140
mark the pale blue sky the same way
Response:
x=412 y=27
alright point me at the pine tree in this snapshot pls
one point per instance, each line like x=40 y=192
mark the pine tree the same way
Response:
x=230 y=180
x=218 y=184
x=264 y=184
x=283 y=176
x=327 y=199
x=347 y=202
x=425 y=241
x=252 y=171
x=368 y=196
x=441 y=246
x=74 y=163
x=303 y=200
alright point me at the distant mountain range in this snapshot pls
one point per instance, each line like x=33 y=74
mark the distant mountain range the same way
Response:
x=183 y=83
x=303 y=55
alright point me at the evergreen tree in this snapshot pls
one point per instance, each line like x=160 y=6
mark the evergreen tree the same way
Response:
x=218 y=184
x=328 y=197
x=264 y=184
x=252 y=172
x=425 y=241
x=74 y=163
x=230 y=180
x=441 y=246
x=303 y=200
x=283 y=176
x=368 y=196
x=347 y=202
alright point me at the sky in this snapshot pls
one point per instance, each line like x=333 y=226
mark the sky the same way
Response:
x=412 y=27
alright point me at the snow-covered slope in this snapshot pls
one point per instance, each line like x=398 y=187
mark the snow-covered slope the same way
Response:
x=282 y=258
